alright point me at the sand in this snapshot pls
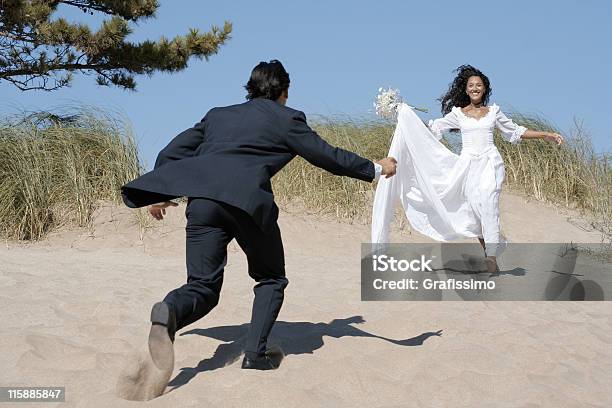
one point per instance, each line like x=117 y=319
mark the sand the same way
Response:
x=75 y=310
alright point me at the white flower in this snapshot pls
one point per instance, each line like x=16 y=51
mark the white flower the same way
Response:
x=387 y=102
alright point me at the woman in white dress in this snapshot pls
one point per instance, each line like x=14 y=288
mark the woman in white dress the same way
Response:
x=448 y=196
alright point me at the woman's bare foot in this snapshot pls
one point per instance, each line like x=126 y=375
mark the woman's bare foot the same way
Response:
x=491 y=262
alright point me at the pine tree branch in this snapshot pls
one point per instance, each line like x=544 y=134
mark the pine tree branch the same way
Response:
x=122 y=8
x=23 y=85
x=60 y=67
x=13 y=36
x=35 y=48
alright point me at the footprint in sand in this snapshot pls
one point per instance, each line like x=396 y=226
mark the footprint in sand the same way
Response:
x=146 y=374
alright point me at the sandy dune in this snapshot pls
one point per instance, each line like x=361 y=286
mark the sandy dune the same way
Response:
x=75 y=310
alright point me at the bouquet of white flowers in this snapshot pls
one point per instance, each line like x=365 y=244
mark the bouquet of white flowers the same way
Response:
x=388 y=101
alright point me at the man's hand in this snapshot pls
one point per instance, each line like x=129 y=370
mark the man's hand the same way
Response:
x=158 y=211
x=388 y=166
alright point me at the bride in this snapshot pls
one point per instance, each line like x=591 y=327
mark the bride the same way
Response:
x=448 y=196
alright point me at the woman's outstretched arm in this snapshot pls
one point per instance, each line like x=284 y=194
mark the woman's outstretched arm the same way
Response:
x=515 y=133
x=548 y=136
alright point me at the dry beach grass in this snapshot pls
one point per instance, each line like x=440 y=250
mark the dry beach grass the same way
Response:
x=54 y=169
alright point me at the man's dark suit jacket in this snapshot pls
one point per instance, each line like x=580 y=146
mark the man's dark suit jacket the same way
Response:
x=232 y=154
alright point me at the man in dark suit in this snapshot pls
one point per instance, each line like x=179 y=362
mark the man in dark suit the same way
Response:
x=224 y=165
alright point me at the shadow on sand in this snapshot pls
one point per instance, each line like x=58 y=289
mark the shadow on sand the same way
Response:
x=292 y=337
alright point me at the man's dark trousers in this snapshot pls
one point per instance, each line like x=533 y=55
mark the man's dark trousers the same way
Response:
x=211 y=225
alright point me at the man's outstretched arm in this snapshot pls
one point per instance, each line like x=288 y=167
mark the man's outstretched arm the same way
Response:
x=305 y=142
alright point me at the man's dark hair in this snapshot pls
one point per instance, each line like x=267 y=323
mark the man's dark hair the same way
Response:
x=268 y=80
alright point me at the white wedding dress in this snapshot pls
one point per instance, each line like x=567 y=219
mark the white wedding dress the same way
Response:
x=446 y=196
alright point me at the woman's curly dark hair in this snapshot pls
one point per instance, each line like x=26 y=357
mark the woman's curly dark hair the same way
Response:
x=268 y=80
x=456 y=95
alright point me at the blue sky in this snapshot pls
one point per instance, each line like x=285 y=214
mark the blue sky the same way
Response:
x=545 y=57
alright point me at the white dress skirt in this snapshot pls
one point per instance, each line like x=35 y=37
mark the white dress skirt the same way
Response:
x=446 y=196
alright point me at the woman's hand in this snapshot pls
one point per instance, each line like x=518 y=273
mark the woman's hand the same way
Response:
x=554 y=138
x=158 y=211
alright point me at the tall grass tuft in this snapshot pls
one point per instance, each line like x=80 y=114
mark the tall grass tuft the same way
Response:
x=54 y=169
